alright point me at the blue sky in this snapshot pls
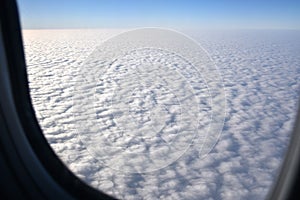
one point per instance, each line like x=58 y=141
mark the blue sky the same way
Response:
x=209 y=14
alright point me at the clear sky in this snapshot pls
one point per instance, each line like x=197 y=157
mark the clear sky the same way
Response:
x=219 y=14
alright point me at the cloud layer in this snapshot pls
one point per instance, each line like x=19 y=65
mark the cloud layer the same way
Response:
x=261 y=79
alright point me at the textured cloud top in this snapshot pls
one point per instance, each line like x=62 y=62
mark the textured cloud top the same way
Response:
x=139 y=104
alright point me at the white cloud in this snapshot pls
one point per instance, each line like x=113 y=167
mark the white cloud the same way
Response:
x=261 y=78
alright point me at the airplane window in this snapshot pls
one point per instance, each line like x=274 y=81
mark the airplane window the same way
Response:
x=166 y=99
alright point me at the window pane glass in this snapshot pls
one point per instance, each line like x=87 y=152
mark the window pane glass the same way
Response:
x=201 y=107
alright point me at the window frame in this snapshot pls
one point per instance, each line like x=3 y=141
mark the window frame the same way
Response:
x=27 y=156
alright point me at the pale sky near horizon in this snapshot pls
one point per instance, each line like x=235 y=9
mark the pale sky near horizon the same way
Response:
x=219 y=14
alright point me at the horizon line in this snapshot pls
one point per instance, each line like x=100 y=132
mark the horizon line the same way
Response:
x=126 y=28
